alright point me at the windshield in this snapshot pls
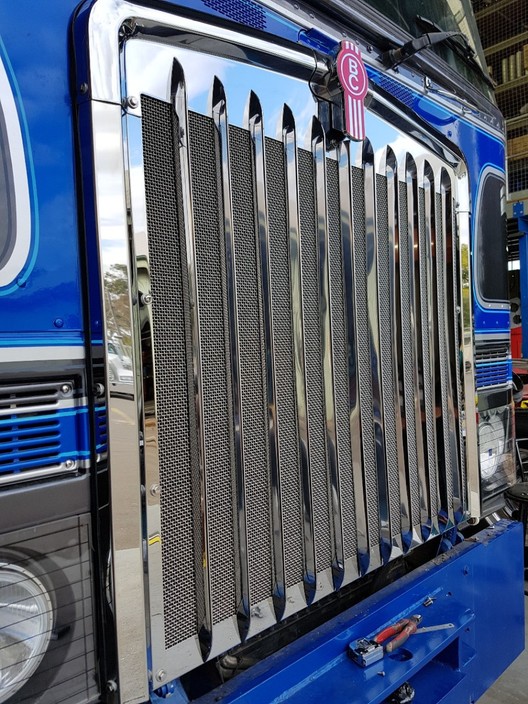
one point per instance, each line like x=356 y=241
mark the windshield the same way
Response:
x=449 y=16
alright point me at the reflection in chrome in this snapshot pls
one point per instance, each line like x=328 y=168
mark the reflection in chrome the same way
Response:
x=219 y=114
x=416 y=392
x=319 y=156
x=364 y=546
x=374 y=363
x=292 y=202
x=256 y=129
x=429 y=332
x=179 y=101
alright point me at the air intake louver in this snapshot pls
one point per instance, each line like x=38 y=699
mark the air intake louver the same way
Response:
x=42 y=431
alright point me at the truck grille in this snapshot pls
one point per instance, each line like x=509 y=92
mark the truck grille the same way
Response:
x=305 y=330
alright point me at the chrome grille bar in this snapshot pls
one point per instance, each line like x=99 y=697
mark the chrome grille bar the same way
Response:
x=255 y=127
x=323 y=246
x=196 y=410
x=297 y=307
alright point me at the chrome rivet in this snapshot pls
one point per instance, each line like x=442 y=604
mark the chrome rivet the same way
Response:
x=132 y=102
x=160 y=675
x=66 y=389
x=99 y=390
x=69 y=464
x=146 y=299
x=83 y=88
x=155 y=490
x=58 y=322
x=111 y=686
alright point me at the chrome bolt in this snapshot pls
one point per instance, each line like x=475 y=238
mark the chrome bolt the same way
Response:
x=132 y=102
x=111 y=686
x=69 y=464
x=99 y=390
x=155 y=490
x=83 y=88
x=160 y=675
x=66 y=389
x=146 y=299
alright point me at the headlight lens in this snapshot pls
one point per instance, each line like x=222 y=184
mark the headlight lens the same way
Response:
x=26 y=623
x=497 y=465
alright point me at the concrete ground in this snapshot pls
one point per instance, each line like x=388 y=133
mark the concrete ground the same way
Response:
x=512 y=687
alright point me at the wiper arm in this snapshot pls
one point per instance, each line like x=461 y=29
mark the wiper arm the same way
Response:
x=459 y=43
x=393 y=57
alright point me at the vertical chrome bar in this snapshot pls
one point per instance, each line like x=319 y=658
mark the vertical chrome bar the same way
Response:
x=358 y=484
x=396 y=393
x=447 y=475
x=319 y=155
x=179 y=102
x=292 y=199
x=255 y=125
x=451 y=354
x=428 y=336
x=371 y=233
x=467 y=405
x=219 y=114
x=416 y=327
x=123 y=420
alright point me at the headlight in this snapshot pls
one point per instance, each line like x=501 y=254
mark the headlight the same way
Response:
x=26 y=623
x=497 y=465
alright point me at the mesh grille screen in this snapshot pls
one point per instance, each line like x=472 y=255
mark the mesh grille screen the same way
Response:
x=364 y=353
x=312 y=334
x=171 y=379
x=408 y=355
x=216 y=383
x=386 y=344
x=426 y=351
x=251 y=353
x=339 y=346
x=284 y=372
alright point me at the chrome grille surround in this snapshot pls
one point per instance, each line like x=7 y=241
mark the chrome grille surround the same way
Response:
x=376 y=516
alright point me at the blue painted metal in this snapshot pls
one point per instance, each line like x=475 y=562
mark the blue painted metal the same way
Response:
x=492 y=373
x=172 y=692
x=478 y=586
x=43 y=440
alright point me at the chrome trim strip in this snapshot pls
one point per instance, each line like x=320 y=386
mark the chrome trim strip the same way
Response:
x=346 y=219
x=255 y=125
x=397 y=398
x=179 y=101
x=411 y=176
x=289 y=140
x=29 y=475
x=429 y=335
x=375 y=359
x=60 y=404
x=123 y=427
x=47 y=353
x=319 y=156
x=106 y=22
x=219 y=115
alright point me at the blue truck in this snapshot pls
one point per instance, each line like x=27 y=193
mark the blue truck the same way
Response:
x=255 y=374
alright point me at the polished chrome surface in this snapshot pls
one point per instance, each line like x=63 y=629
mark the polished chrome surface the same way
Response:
x=122 y=408
x=363 y=536
x=219 y=114
x=289 y=138
x=179 y=101
x=255 y=126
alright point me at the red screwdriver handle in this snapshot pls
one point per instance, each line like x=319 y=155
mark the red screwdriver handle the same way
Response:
x=391 y=630
x=404 y=634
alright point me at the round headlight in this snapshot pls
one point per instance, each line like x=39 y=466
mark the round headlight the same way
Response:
x=26 y=623
x=491 y=439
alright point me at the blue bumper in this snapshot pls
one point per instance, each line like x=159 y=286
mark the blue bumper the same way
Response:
x=477 y=586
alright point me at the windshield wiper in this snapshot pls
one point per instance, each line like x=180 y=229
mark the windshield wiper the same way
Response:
x=435 y=35
x=459 y=44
